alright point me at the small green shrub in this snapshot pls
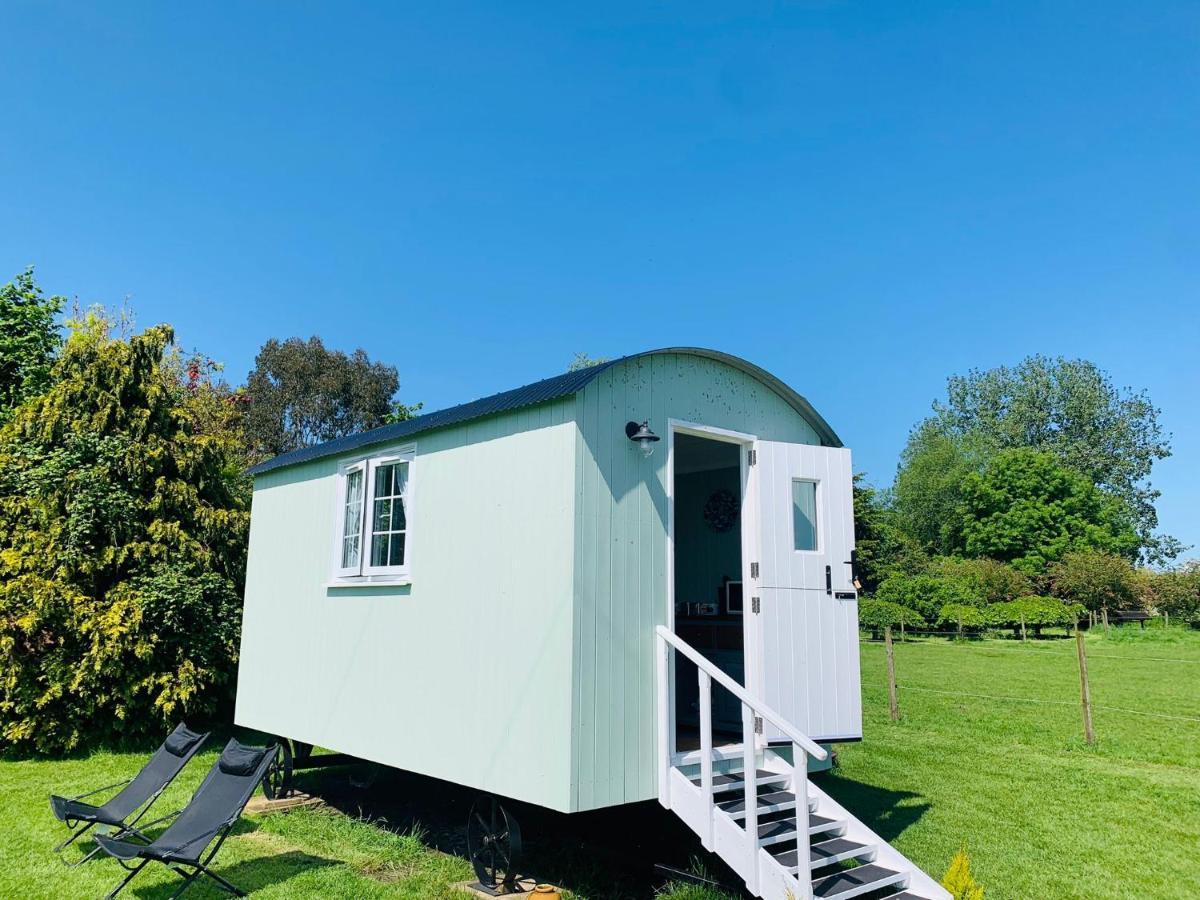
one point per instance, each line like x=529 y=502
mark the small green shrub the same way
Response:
x=959 y=881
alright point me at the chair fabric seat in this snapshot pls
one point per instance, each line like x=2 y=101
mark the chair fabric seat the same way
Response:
x=65 y=809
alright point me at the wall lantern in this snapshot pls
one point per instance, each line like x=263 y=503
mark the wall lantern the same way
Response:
x=642 y=436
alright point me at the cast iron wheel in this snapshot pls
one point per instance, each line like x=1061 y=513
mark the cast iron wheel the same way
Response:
x=277 y=783
x=494 y=842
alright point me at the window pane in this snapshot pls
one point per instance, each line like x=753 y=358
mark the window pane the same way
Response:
x=397 y=554
x=383 y=513
x=804 y=514
x=383 y=481
x=379 y=550
x=352 y=519
x=389 y=519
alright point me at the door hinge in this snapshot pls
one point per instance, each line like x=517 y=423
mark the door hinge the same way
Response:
x=753 y=570
x=754 y=457
x=758 y=725
x=755 y=605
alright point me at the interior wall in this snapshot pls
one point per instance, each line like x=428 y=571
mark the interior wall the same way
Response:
x=704 y=556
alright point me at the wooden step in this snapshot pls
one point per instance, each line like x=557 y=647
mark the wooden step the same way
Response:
x=824 y=853
x=857 y=881
x=771 y=801
x=724 y=782
x=821 y=824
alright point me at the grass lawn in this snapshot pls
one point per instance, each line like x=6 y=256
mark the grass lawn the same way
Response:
x=1042 y=814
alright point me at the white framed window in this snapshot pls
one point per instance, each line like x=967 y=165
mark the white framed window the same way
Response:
x=373 y=520
x=805 y=536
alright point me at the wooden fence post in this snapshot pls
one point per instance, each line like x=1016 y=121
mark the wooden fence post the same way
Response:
x=1023 y=626
x=893 y=704
x=1104 y=613
x=1085 y=692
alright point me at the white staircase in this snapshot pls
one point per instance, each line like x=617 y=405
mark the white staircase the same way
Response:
x=784 y=848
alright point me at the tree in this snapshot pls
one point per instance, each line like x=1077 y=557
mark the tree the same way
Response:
x=928 y=489
x=994 y=581
x=1035 y=613
x=123 y=522
x=582 y=361
x=1028 y=509
x=1096 y=580
x=927 y=594
x=1071 y=409
x=1176 y=593
x=302 y=394
x=881 y=547
x=29 y=339
x=876 y=615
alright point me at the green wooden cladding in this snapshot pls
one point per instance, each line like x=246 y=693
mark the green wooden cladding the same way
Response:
x=520 y=659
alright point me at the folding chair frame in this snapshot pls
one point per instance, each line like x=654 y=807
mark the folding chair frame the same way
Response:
x=201 y=865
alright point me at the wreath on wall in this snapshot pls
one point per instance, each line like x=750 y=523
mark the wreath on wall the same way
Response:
x=721 y=510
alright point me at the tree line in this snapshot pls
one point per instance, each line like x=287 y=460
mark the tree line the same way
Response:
x=124 y=511
x=1023 y=500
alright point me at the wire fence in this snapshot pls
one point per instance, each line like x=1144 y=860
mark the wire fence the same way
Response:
x=902 y=687
x=1059 y=647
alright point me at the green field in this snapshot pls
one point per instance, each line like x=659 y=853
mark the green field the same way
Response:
x=1042 y=814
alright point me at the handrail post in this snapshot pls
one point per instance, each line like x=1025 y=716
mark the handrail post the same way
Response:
x=803 y=851
x=664 y=723
x=750 y=777
x=706 y=755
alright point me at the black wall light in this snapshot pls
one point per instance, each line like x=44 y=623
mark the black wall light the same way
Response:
x=642 y=436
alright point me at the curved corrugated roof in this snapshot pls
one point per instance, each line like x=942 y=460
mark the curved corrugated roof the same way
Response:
x=539 y=392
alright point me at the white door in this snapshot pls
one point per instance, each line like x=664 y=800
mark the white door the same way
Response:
x=808 y=608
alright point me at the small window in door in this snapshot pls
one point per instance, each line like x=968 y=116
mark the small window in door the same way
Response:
x=804 y=514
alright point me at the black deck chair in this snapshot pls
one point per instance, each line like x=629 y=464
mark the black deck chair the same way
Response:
x=137 y=796
x=189 y=844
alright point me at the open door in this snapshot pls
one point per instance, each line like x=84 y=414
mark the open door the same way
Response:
x=808 y=607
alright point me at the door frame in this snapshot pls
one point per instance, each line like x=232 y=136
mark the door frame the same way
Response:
x=749 y=537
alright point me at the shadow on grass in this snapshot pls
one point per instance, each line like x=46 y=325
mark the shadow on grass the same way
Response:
x=605 y=854
x=887 y=813
x=254 y=874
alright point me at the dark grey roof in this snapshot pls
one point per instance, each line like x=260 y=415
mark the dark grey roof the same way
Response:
x=539 y=392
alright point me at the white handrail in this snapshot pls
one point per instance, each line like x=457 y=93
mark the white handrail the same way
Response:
x=790 y=732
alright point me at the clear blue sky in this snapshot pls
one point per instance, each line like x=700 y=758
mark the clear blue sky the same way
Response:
x=861 y=197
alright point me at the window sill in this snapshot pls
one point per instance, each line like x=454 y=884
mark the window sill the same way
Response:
x=395 y=581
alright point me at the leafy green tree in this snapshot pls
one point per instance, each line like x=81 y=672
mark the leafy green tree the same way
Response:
x=962 y=616
x=927 y=594
x=991 y=579
x=1176 y=593
x=881 y=547
x=1034 y=613
x=29 y=339
x=1096 y=580
x=1071 y=409
x=927 y=493
x=582 y=361
x=877 y=615
x=301 y=394
x=1028 y=509
x=123 y=522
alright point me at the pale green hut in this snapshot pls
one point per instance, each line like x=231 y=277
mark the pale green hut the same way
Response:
x=532 y=594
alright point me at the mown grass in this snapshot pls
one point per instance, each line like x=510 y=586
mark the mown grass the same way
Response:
x=989 y=754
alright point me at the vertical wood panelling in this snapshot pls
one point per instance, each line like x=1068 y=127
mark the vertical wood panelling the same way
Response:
x=812 y=653
x=621 y=546
x=466 y=674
